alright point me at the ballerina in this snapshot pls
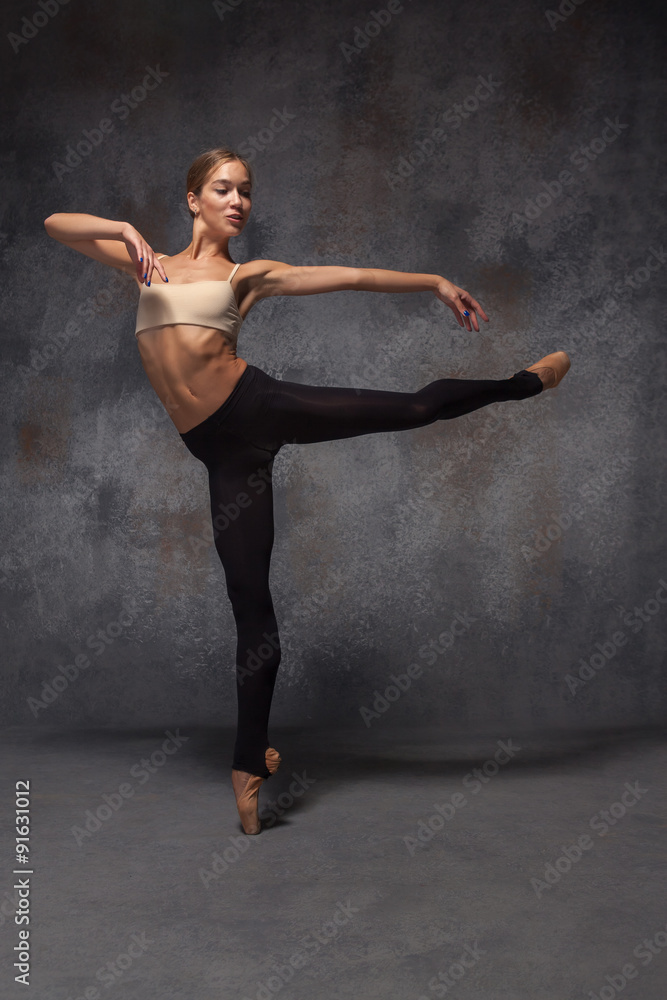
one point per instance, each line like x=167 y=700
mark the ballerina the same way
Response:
x=234 y=417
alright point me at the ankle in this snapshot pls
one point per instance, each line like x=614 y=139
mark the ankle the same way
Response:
x=526 y=384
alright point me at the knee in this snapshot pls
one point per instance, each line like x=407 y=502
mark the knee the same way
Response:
x=250 y=598
x=425 y=403
x=421 y=411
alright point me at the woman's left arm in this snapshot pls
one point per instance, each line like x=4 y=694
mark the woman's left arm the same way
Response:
x=284 y=279
x=462 y=304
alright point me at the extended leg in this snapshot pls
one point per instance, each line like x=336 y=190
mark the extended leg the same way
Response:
x=301 y=414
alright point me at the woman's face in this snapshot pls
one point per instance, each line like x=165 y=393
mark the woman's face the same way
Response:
x=225 y=200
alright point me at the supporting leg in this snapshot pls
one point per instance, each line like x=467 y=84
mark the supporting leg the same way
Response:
x=242 y=513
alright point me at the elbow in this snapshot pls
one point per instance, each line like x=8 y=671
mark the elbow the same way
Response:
x=55 y=229
x=49 y=224
x=359 y=281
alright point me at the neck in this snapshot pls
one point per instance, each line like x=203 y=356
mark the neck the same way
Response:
x=204 y=245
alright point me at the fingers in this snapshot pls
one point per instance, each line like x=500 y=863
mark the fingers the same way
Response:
x=465 y=308
x=476 y=306
x=139 y=247
x=473 y=308
x=143 y=260
x=463 y=314
x=146 y=261
x=456 y=312
x=467 y=318
x=150 y=265
x=160 y=270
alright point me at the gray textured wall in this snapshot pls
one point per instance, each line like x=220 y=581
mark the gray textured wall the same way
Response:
x=539 y=523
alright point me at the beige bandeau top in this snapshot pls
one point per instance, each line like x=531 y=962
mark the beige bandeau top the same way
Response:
x=200 y=303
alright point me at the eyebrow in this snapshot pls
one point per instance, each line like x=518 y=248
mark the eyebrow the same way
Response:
x=226 y=180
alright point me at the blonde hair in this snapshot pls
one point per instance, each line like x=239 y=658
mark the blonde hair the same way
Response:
x=201 y=168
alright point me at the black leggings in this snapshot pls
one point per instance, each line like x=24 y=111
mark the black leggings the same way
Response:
x=238 y=443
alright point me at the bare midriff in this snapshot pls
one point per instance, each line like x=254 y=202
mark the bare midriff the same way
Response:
x=193 y=370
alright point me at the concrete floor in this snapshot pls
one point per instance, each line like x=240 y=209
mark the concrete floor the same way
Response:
x=541 y=876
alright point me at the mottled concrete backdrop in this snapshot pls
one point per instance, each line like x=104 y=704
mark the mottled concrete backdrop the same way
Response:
x=507 y=569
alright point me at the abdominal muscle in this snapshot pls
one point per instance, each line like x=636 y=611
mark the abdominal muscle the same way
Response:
x=193 y=370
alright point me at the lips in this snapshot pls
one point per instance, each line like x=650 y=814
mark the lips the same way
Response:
x=235 y=218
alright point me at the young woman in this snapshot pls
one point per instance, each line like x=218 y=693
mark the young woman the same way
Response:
x=234 y=417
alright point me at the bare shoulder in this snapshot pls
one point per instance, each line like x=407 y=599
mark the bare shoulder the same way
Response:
x=254 y=268
x=258 y=279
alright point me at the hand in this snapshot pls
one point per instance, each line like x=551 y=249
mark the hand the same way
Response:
x=460 y=302
x=138 y=248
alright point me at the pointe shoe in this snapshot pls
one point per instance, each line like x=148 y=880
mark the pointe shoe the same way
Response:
x=246 y=790
x=551 y=369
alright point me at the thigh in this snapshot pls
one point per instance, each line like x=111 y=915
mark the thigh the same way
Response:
x=241 y=494
x=302 y=414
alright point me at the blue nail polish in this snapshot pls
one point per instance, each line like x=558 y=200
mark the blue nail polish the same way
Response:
x=148 y=284
x=465 y=312
x=141 y=260
x=166 y=278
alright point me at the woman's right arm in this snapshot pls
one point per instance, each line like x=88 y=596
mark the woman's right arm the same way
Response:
x=117 y=244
